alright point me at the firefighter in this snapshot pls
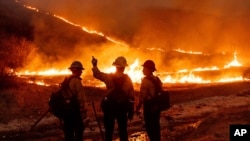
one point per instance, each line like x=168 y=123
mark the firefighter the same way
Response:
x=150 y=111
x=114 y=112
x=73 y=125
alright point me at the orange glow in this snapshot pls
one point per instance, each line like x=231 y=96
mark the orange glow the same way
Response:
x=50 y=72
x=234 y=63
x=188 y=78
x=135 y=69
x=90 y=31
x=188 y=52
x=135 y=72
x=41 y=83
x=77 y=25
x=231 y=79
x=32 y=8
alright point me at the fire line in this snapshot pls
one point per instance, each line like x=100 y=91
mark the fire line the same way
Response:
x=77 y=25
x=134 y=70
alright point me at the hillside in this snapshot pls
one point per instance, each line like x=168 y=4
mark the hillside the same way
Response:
x=57 y=39
x=197 y=113
x=50 y=34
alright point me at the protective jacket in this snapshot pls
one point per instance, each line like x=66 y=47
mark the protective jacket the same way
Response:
x=107 y=78
x=119 y=115
x=76 y=88
x=147 y=90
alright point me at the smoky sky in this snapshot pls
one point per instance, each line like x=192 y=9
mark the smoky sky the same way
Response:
x=209 y=25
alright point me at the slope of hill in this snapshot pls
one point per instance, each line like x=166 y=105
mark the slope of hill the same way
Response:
x=49 y=33
x=14 y=20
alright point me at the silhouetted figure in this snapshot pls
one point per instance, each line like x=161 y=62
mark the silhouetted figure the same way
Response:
x=150 y=110
x=118 y=103
x=73 y=125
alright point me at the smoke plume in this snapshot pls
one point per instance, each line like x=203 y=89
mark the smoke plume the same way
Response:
x=209 y=26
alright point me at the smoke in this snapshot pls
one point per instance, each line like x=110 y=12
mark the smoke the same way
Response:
x=123 y=19
x=209 y=26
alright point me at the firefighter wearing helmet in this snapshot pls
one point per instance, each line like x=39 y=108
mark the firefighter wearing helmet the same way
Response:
x=120 y=62
x=76 y=65
x=147 y=91
x=119 y=84
x=150 y=65
x=73 y=125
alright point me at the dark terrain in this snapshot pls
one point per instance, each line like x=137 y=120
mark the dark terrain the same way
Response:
x=199 y=112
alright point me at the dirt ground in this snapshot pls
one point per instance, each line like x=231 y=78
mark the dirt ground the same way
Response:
x=198 y=113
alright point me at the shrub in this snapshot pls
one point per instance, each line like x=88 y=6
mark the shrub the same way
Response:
x=14 y=53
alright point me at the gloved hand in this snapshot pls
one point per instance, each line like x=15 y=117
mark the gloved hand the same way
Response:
x=94 y=61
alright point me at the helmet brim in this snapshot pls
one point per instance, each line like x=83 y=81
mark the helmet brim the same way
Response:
x=153 y=69
x=76 y=68
x=118 y=65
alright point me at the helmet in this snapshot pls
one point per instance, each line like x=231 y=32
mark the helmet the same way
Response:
x=120 y=62
x=76 y=64
x=149 y=64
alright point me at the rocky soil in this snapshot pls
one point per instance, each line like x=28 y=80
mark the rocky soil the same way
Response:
x=198 y=113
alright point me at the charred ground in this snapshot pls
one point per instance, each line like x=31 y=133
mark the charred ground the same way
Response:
x=198 y=112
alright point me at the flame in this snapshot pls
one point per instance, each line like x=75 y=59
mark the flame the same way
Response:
x=188 y=52
x=50 y=72
x=32 y=8
x=41 y=83
x=239 y=78
x=234 y=63
x=188 y=78
x=135 y=70
x=77 y=25
x=158 y=49
x=91 y=31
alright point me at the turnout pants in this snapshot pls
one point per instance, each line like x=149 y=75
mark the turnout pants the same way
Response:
x=73 y=126
x=152 y=123
x=109 y=124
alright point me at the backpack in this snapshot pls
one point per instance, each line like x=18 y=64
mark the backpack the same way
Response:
x=60 y=106
x=117 y=100
x=162 y=97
